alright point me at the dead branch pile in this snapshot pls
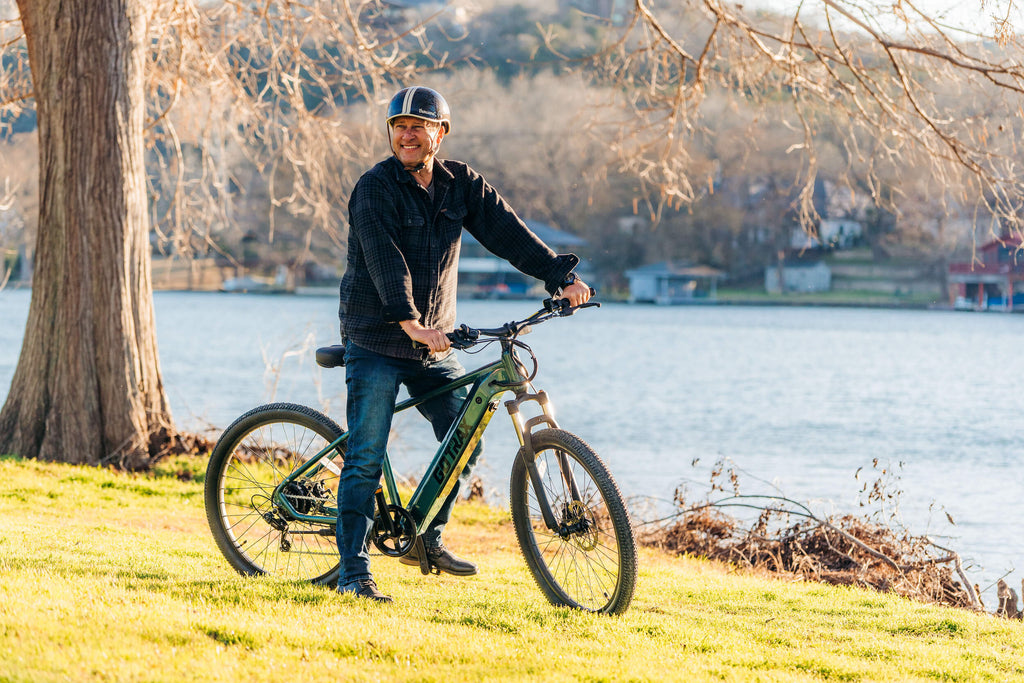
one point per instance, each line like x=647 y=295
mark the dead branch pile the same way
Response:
x=787 y=538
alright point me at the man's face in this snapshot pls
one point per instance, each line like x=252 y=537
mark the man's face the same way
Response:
x=413 y=139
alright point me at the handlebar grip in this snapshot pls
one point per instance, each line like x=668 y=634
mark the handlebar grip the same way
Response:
x=456 y=343
x=557 y=304
x=463 y=337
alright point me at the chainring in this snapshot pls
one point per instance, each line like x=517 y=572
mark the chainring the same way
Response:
x=400 y=542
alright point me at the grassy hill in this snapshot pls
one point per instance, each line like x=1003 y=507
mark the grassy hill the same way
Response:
x=112 y=577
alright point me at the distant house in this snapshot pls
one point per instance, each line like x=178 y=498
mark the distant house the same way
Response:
x=484 y=275
x=833 y=233
x=673 y=283
x=798 y=276
x=996 y=282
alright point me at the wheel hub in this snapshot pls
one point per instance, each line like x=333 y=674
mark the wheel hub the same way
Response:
x=307 y=497
x=578 y=525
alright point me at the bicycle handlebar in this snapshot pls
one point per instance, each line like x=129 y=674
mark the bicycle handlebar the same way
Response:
x=464 y=337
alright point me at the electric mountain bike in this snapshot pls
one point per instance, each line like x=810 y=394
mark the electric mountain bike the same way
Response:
x=272 y=481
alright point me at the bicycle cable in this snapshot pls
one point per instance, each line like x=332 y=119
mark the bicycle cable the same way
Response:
x=467 y=339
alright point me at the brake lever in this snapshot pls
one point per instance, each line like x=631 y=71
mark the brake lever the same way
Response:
x=558 y=307
x=463 y=337
x=562 y=307
x=464 y=333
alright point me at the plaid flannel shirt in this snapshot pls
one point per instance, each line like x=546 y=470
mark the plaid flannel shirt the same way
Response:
x=403 y=251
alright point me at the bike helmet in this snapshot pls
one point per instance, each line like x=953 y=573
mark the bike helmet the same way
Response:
x=422 y=103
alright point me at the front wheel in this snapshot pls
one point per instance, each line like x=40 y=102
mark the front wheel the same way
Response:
x=588 y=561
x=256 y=532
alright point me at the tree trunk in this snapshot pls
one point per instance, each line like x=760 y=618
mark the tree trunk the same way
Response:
x=87 y=388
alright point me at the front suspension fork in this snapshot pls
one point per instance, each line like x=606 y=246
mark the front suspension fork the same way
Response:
x=524 y=432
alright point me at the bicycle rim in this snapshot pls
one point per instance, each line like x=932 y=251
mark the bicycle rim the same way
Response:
x=591 y=563
x=251 y=459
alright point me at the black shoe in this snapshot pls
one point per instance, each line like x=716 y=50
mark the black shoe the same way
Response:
x=440 y=559
x=364 y=588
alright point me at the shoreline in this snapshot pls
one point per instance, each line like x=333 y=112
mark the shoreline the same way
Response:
x=795 y=300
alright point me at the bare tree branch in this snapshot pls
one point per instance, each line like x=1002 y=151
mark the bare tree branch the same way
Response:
x=904 y=88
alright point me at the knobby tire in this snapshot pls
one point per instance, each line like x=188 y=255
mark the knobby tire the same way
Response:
x=250 y=460
x=594 y=567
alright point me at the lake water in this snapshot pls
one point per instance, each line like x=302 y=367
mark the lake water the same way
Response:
x=797 y=399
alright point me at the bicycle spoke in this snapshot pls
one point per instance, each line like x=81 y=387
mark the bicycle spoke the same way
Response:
x=255 y=457
x=583 y=562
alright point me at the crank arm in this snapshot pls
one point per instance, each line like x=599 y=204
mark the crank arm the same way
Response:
x=382 y=510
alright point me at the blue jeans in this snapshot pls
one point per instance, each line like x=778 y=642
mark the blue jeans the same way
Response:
x=372 y=381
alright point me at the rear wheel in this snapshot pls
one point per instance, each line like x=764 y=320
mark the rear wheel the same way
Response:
x=256 y=533
x=589 y=560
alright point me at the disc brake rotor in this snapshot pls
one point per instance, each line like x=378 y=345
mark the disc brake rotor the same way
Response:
x=584 y=526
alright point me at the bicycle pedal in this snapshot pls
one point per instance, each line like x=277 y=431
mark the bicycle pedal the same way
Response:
x=421 y=554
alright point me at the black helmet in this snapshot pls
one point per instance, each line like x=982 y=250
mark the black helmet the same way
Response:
x=422 y=103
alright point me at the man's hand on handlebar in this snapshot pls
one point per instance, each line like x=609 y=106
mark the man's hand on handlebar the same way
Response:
x=435 y=340
x=578 y=293
x=565 y=302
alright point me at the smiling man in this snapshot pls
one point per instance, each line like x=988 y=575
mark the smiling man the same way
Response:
x=406 y=217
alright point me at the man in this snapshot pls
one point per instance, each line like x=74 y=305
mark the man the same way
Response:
x=406 y=217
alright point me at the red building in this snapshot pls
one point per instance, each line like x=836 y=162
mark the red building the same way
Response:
x=994 y=281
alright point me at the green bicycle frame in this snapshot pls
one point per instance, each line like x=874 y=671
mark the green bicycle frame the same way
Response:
x=488 y=383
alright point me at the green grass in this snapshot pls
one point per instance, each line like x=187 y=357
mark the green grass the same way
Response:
x=111 y=577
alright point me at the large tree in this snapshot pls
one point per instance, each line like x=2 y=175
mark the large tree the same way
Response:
x=87 y=388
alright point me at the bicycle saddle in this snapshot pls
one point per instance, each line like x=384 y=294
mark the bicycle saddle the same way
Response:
x=330 y=356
